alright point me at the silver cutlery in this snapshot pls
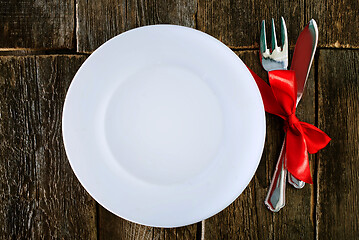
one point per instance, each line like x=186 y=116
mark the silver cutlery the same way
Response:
x=301 y=63
x=276 y=59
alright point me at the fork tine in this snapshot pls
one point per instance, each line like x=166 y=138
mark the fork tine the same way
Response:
x=284 y=36
x=274 y=38
x=262 y=40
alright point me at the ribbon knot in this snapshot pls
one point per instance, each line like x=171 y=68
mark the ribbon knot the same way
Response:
x=293 y=123
x=280 y=99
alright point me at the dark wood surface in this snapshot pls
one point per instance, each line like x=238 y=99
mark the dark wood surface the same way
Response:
x=338 y=165
x=37 y=24
x=40 y=196
x=101 y=20
x=43 y=43
x=338 y=22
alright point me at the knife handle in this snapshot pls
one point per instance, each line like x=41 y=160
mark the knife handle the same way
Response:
x=295 y=182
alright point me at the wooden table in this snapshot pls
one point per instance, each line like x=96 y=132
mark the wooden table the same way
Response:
x=43 y=43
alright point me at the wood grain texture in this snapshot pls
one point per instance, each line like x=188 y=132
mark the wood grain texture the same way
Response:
x=187 y=232
x=338 y=174
x=237 y=23
x=338 y=22
x=98 y=21
x=40 y=197
x=247 y=217
x=37 y=24
x=113 y=227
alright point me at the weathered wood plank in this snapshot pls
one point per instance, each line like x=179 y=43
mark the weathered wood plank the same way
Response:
x=113 y=227
x=338 y=174
x=99 y=21
x=247 y=217
x=187 y=232
x=39 y=194
x=18 y=176
x=338 y=22
x=237 y=23
x=37 y=24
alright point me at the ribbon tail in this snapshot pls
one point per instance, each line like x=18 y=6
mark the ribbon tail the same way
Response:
x=315 y=138
x=297 y=157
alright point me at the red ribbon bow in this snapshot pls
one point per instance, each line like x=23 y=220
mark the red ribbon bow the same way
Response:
x=280 y=99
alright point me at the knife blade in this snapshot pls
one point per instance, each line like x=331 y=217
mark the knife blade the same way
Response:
x=301 y=63
x=304 y=54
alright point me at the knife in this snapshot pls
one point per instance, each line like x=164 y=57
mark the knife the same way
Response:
x=302 y=61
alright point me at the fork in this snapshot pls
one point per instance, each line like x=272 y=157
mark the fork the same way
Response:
x=275 y=59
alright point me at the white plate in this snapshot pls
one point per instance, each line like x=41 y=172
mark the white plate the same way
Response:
x=164 y=125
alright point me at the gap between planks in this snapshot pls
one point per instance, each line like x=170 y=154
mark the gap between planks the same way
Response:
x=30 y=51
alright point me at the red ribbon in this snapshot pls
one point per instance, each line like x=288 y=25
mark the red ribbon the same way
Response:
x=280 y=99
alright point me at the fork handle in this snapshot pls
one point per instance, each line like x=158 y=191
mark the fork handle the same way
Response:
x=275 y=199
